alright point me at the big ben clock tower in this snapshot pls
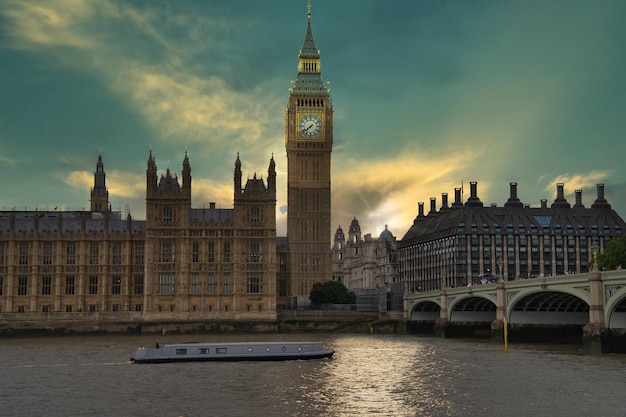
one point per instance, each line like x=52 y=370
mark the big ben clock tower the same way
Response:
x=309 y=142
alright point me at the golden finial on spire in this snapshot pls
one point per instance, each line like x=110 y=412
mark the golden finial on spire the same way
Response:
x=309 y=8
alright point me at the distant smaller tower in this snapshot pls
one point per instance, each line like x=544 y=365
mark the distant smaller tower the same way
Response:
x=99 y=193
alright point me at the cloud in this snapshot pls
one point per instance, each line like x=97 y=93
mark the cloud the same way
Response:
x=389 y=190
x=158 y=75
x=576 y=181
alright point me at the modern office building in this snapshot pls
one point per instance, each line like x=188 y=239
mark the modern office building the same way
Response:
x=466 y=243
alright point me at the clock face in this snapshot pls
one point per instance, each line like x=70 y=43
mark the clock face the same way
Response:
x=310 y=126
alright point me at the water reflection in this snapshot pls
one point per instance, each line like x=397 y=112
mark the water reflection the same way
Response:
x=368 y=376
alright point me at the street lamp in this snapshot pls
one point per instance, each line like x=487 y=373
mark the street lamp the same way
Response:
x=594 y=251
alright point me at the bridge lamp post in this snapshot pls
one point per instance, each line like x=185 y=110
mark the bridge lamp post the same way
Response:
x=500 y=265
x=594 y=251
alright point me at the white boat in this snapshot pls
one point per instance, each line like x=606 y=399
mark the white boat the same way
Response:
x=241 y=351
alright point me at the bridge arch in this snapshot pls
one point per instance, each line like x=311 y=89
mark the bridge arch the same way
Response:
x=428 y=310
x=474 y=308
x=615 y=309
x=559 y=307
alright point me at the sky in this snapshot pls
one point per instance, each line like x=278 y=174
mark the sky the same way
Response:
x=428 y=95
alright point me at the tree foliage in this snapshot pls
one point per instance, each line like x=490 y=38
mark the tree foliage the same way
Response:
x=331 y=292
x=614 y=255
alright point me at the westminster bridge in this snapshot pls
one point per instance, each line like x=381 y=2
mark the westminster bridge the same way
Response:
x=593 y=302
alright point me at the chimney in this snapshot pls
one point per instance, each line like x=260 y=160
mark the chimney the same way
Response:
x=473 y=200
x=212 y=205
x=579 y=199
x=420 y=209
x=601 y=201
x=560 y=201
x=444 y=201
x=458 y=202
x=544 y=203
x=513 y=201
x=433 y=206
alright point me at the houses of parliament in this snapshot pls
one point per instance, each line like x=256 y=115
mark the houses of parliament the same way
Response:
x=186 y=263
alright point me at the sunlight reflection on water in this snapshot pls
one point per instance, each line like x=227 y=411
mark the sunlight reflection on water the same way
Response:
x=368 y=376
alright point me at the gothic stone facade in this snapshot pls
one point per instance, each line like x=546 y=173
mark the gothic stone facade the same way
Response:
x=180 y=263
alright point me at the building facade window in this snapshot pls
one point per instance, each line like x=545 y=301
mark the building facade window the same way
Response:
x=71 y=254
x=195 y=251
x=195 y=284
x=139 y=253
x=116 y=284
x=227 y=251
x=22 y=285
x=138 y=284
x=23 y=259
x=254 y=284
x=93 y=285
x=211 y=284
x=47 y=253
x=94 y=250
x=226 y=284
x=166 y=283
x=211 y=251
x=166 y=251
x=117 y=253
x=70 y=283
x=46 y=285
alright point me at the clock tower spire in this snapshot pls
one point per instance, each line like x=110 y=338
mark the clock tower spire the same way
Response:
x=308 y=141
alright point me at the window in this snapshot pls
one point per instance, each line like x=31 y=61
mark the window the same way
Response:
x=1 y=253
x=46 y=285
x=138 y=307
x=255 y=216
x=116 y=284
x=115 y=307
x=93 y=285
x=1 y=285
x=195 y=251
x=93 y=253
x=211 y=251
x=68 y=308
x=69 y=285
x=138 y=284
x=22 y=285
x=181 y=351
x=21 y=309
x=254 y=284
x=93 y=308
x=23 y=260
x=117 y=253
x=139 y=254
x=226 y=283
x=194 y=284
x=166 y=251
x=168 y=215
x=226 y=251
x=254 y=250
x=211 y=284
x=166 y=284
x=71 y=253
x=47 y=253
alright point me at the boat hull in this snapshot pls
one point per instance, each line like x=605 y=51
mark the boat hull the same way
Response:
x=206 y=352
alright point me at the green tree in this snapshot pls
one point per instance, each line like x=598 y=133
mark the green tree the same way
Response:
x=614 y=255
x=331 y=292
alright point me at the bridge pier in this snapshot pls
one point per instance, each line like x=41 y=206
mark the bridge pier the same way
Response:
x=594 y=332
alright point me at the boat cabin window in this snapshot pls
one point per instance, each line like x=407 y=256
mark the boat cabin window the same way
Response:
x=203 y=351
x=221 y=350
x=181 y=351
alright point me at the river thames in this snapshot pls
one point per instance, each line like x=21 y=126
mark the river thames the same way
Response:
x=369 y=375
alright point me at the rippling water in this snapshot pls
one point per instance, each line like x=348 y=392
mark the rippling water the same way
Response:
x=369 y=375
